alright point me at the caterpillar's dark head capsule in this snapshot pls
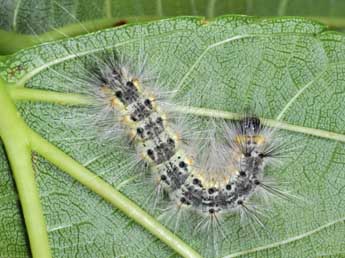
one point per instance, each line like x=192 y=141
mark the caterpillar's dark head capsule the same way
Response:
x=250 y=125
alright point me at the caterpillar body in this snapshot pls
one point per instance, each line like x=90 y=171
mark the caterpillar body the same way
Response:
x=207 y=189
x=216 y=182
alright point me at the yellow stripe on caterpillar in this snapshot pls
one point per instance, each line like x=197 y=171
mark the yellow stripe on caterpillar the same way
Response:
x=257 y=139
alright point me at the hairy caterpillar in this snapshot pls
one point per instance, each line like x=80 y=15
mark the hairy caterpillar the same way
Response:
x=159 y=146
x=218 y=180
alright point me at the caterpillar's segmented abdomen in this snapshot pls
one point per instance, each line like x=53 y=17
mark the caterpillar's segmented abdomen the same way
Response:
x=159 y=146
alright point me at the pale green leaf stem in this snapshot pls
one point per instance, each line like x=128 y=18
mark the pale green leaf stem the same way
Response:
x=25 y=94
x=14 y=134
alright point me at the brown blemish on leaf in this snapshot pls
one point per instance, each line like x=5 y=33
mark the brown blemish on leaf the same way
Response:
x=120 y=23
x=13 y=70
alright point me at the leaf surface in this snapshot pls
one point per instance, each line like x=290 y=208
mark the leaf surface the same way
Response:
x=280 y=64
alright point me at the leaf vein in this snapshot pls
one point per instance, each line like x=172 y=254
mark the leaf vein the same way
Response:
x=288 y=240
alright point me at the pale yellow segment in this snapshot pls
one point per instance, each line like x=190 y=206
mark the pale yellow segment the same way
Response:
x=137 y=84
x=243 y=139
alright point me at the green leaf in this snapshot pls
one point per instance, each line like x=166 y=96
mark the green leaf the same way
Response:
x=41 y=15
x=291 y=68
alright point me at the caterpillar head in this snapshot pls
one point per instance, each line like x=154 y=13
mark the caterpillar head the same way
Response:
x=250 y=125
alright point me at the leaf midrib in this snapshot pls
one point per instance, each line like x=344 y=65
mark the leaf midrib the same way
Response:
x=72 y=99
